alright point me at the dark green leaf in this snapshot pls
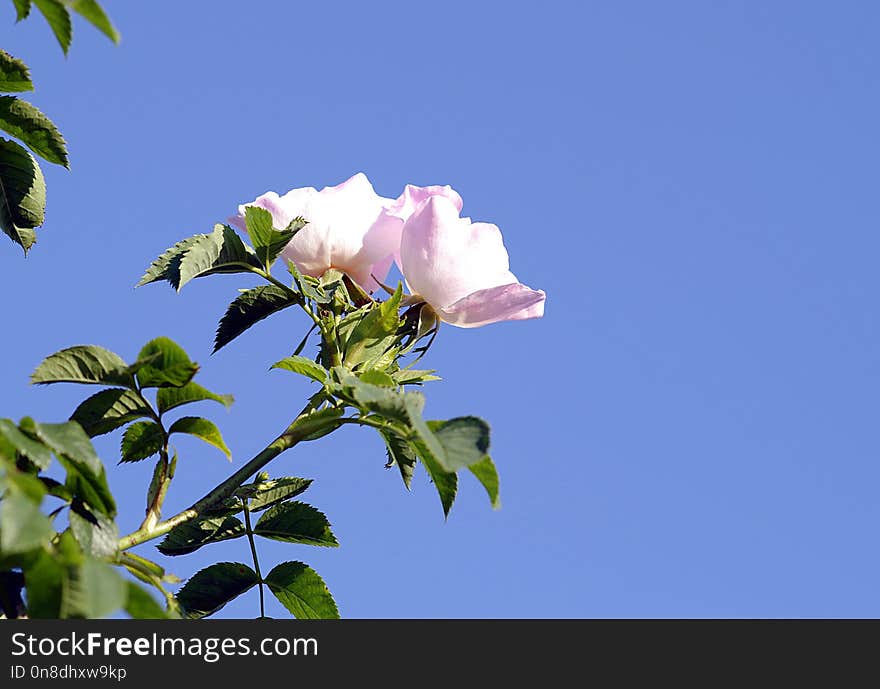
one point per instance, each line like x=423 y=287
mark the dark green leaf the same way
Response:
x=140 y=605
x=141 y=440
x=59 y=19
x=92 y=489
x=22 y=194
x=401 y=454
x=265 y=494
x=303 y=366
x=487 y=474
x=250 y=307
x=107 y=410
x=465 y=441
x=95 y=15
x=83 y=364
x=190 y=536
x=267 y=241
x=213 y=587
x=167 y=266
x=170 y=398
x=167 y=364
x=96 y=534
x=14 y=74
x=34 y=450
x=22 y=526
x=11 y=602
x=445 y=483
x=201 y=428
x=302 y=591
x=70 y=440
x=222 y=251
x=296 y=522
x=25 y=122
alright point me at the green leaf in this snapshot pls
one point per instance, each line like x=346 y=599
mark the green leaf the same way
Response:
x=250 y=307
x=265 y=494
x=167 y=364
x=487 y=474
x=371 y=336
x=426 y=443
x=465 y=441
x=141 y=440
x=318 y=423
x=140 y=605
x=222 y=251
x=411 y=376
x=24 y=121
x=44 y=579
x=107 y=410
x=59 y=19
x=446 y=483
x=68 y=439
x=22 y=526
x=34 y=450
x=309 y=286
x=387 y=402
x=14 y=74
x=22 y=194
x=380 y=378
x=189 y=536
x=93 y=590
x=201 y=428
x=96 y=534
x=213 y=587
x=296 y=522
x=401 y=454
x=170 y=398
x=92 y=489
x=83 y=364
x=23 y=482
x=92 y=12
x=167 y=266
x=302 y=591
x=303 y=366
x=267 y=241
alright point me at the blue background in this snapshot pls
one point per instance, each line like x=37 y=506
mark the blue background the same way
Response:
x=692 y=428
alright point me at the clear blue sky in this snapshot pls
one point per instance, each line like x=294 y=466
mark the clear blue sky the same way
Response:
x=692 y=428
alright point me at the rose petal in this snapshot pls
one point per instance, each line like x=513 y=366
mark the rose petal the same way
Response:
x=445 y=258
x=513 y=302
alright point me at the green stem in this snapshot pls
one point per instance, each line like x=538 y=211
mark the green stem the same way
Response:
x=300 y=428
x=250 y=535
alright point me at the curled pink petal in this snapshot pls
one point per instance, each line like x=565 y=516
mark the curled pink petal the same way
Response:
x=513 y=302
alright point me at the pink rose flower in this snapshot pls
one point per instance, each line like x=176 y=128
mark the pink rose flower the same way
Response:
x=461 y=269
x=348 y=229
